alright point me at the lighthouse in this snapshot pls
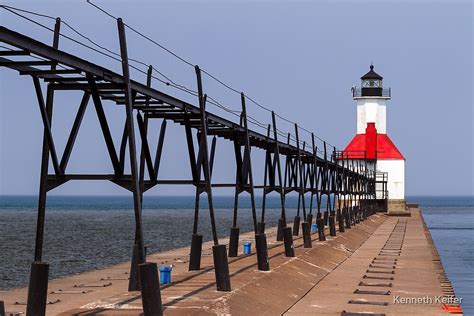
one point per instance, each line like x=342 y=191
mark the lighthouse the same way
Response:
x=373 y=144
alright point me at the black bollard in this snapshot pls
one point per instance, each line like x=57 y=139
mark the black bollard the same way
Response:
x=340 y=220
x=288 y=238
x=2 y=308
x=281 y=225
x=37 y=289
x=150 y=285
x=262 y=253
x=332 y=225
x=348 y=219
x=195 y=256
x=296 y=226
x=306 y=227
x=321 y=234
x=221 y=268
x=309 y=219
x=326 y=218
x=261 y=227
x=134 y=279
x=234 y=242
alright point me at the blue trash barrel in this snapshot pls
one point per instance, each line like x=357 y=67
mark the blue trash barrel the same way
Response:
x=315 y=228
x=165 y=275
x=247 y=248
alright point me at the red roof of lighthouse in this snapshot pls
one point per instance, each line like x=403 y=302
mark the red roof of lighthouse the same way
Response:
x=386 y=149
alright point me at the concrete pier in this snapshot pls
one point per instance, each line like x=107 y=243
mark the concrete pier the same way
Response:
x=383 y=265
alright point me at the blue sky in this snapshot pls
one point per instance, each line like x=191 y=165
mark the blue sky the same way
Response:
x=299 y=58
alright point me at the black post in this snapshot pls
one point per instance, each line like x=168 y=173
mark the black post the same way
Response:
x=262 y=252
x=134 y=281
x=306 y=234
x=281 y=225
x=351 y=215
x=234 y=242
x=340 y=220
x=221 y=264
x=150 y=285
x=301 y=185
x=347 y=218
x=234 y=230
x=261 y=227
x=134 y=172
x=288 y=239
x=195 y=255
x=296 y=225
x=321 y=234
x=38 y=289
x=38 y=286
x=268 y=174
x=221 y=268
x=196 y=239
x=332 y=225
x=131 y=142
x=282 y=220
x=316 y=183
x=260 y=238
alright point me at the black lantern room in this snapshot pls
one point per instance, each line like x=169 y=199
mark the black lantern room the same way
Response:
x=371 y=84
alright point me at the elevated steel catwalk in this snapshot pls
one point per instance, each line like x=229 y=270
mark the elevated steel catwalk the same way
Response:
x=349 y=188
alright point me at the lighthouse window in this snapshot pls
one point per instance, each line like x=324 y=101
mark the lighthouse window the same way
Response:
x=371 y=83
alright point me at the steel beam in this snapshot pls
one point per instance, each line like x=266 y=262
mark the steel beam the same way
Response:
x=137 y=205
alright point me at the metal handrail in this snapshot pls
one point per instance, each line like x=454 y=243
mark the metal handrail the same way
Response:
x=357 y=92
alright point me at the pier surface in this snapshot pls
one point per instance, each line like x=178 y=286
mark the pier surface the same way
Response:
x=379 y=266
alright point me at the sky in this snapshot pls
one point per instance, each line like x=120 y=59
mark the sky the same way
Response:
x=299 y=58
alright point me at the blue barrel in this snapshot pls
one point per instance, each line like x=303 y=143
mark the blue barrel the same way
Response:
x=165 y=275
x=247 y=248
x=314 y=228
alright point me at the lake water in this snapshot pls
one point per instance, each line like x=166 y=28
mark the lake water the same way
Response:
x=84 y=233
x=451 y=223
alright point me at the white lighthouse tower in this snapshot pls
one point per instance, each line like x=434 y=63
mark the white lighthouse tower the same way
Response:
x=372 y=139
